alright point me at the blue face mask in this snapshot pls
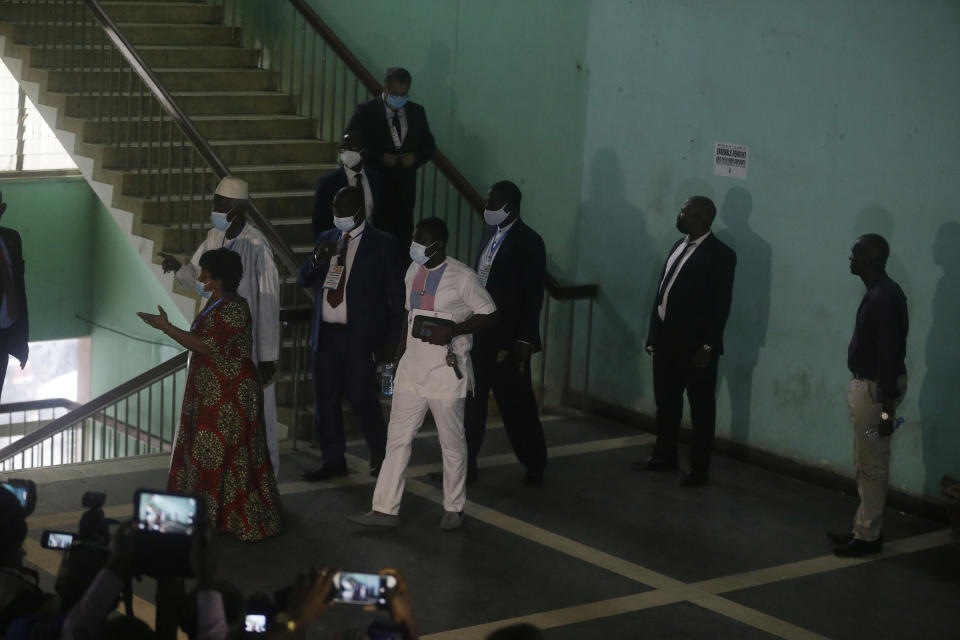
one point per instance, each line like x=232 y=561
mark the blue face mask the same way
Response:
x=200 y=290
x=219 y=221
x=396 y=102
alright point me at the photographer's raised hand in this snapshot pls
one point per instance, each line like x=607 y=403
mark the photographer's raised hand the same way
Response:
x=399 y=604
x=121 y=550
x=311 y=596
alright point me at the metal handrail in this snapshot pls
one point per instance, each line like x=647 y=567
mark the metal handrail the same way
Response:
x=97 y=405
x=34 y=405
x=281 y=249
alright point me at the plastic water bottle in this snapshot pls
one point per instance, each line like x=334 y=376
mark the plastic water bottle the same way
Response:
x=386 y=379
x=875 y=432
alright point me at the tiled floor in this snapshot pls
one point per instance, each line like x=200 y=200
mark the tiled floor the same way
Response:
x=597 y=551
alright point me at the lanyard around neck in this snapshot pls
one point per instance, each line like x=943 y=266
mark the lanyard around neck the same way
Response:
x=205 y=312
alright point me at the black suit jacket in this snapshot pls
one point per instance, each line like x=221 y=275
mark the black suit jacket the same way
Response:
x=699 y=300
x=370 y=118
x=327 y=187
x=14 y=339
x=374 y=293
x=516 y=285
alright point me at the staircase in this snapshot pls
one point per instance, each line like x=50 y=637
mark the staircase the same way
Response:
x=157 y=100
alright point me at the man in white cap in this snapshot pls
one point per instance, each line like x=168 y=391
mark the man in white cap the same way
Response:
x=260 y=287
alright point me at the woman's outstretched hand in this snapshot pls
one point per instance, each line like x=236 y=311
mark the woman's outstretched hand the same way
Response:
x=156 y=320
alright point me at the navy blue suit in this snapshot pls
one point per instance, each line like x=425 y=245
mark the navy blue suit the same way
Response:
x=516 y=284
x=399 y=182
x=343 y=354
x=329 y=184
x=13 y=340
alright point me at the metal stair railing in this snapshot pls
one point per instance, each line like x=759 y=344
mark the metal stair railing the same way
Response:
x=138 y=417
x=328 y=81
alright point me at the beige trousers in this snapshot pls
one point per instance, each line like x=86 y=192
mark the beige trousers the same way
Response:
x=871 y=456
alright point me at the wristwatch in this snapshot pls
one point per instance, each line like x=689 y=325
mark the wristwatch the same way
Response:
x=884 y=416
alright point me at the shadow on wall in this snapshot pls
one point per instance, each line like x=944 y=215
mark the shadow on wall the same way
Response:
x=939 y=399
x=746 y=330
x=616 y=251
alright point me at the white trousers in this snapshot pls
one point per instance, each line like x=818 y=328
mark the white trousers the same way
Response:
x=270 y=426
x=406 y=417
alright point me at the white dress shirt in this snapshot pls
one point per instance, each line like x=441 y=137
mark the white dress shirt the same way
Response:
x=490 y=252
x=338 y=314
x=367 y=194
x=681 y=249
x=403 y=123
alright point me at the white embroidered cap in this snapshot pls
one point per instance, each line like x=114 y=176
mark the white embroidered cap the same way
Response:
x=231 y=187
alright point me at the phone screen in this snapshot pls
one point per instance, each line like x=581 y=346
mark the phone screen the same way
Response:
x=164 y=513
x=22 y=493
x=362 y=588
x=57 y=540
x=255 y=623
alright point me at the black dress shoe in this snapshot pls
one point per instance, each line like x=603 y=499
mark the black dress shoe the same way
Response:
x=325 y=472
x=856 y=548
x=693 y=479
x=375 y=464
x=839 y=538
x=654 y=464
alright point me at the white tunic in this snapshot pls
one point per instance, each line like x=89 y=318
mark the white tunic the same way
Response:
x=423 y=368
x=260 y=285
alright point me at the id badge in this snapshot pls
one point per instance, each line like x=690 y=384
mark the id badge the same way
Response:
x=484 y=273
x=333 y=277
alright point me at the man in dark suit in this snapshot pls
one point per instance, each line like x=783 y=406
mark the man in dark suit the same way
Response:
x=14 y=327
x=358 y=288
x=354 y=171
x=399 y=141
x=686 y=338
x=511 y=261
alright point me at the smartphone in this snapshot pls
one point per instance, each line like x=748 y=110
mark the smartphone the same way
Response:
x=255 y=623
x=57 y=540
x=166 y=513
x=362 y=588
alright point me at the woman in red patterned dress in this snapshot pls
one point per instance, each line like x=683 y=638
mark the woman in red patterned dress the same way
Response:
x=221 y=446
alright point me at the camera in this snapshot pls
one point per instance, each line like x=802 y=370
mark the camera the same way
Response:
x=94 y=524
x=25 y=491
x=166 y=525
x=59 y=540
x=367 y=589
x=260 y=613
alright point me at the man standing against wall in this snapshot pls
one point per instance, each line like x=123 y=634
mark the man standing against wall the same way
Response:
x=357 y=281
x=354 y=171
x=875 y=358
x=511 y=262
x=399 y=141
x=14 y=327
x=260 y=287
x=686 y=339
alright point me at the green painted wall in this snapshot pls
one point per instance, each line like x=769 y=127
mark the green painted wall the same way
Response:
x=122 y=285
x=80 y=262
x=849 y=110
x=607 y=112
x=54 y=218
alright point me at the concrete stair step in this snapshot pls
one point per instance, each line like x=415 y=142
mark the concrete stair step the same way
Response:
x=166 y=12
x=212 y=127
x=279 y=177
x=138 y=33
x=173 y=79
x=231 y=152
x=157 y=56
x=193 y=103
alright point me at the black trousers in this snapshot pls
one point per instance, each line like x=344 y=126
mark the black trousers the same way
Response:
x=343 y=368
x=4 y=360
x=674 y=373
x=399 y=195
x=513 y=392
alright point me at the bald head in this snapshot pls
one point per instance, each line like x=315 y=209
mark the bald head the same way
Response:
x=348 y=203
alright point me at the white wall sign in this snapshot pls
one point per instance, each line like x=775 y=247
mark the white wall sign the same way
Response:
x=730 y=160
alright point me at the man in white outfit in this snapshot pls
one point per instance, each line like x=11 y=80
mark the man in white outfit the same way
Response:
x=445 y=305
x=260 y=287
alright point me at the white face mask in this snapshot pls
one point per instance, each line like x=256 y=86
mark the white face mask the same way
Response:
x=219 y=220
x=497 y=217
x=418 y=253
x=346 y=223
x=200 y=290
x=350 y=158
